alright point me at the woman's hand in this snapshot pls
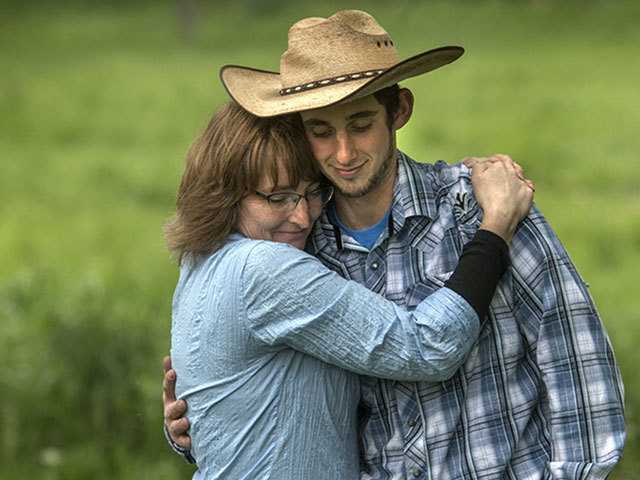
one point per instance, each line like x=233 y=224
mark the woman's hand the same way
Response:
x=502 y=191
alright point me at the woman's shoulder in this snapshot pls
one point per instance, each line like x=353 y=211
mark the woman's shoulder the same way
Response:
x=228 y=255
x=263 y=251
x=240 y=251
x=247 y=263
x=264 y=256
x=258 y=261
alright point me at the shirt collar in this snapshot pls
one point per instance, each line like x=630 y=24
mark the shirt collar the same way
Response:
x=414 y=195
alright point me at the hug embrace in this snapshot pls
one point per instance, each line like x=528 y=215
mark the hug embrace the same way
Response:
x=345 y=312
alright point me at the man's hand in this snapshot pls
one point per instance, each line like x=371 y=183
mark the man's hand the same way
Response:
x=174 y=420
x=502 y=191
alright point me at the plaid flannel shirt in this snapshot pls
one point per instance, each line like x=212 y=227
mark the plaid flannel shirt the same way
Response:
x=540 y=395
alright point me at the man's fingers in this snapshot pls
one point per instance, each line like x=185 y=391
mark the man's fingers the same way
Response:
x=169 y=387
x=168 y=381
x=166 y=364
x=175 y=410
x=177 y=424
x=183 y=440
x=178 y=428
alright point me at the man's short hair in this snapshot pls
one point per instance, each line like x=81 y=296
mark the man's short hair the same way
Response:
x=389 y=97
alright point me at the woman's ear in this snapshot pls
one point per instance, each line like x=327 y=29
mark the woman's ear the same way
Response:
x=405 y=109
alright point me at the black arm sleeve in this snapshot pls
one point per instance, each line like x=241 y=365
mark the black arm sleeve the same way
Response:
x=482 y=263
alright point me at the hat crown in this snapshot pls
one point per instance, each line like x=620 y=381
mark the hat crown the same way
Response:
x=348 y=42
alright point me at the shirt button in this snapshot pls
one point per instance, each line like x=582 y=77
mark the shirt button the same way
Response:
x=412 y=422
x=375 y=265
x=416 y=472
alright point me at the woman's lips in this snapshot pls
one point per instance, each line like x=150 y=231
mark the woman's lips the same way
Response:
x=292 y=236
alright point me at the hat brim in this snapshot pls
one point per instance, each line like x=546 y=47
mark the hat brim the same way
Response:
x=258 y=91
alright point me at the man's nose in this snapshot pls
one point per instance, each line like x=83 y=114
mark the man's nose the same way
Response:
x=345 y=149
x=301 y=215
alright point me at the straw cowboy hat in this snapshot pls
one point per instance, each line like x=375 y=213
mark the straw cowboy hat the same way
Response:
x=329 y=60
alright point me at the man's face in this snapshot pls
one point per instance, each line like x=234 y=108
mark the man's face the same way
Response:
x=353 y=145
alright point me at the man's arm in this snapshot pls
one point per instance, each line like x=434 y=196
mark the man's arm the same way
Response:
x=583 y=399
x=176 y=425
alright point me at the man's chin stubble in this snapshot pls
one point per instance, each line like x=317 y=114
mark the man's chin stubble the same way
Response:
x=375 y=181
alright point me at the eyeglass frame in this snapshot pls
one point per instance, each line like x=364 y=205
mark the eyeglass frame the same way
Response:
x=268 y=197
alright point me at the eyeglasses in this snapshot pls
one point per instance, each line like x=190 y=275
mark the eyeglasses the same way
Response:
x=286 y=202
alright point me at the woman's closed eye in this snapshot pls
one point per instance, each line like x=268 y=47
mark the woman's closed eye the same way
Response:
x=281 y=198
x=321 y=132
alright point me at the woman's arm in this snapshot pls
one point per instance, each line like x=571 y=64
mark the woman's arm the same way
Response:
x=292 y=299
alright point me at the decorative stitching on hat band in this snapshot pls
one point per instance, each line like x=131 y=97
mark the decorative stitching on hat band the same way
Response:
x=330 y=81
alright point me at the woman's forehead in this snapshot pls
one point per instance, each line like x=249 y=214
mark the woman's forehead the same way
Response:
x=268 y=183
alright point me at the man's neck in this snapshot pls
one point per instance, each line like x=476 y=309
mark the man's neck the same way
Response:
x=362 y=212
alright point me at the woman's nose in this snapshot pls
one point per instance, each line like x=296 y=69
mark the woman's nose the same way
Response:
x=300 y=215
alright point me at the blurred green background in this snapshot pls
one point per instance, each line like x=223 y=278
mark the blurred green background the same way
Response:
x=98 y=104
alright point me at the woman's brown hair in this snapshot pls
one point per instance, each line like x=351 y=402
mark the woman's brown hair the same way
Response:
x=226 y=162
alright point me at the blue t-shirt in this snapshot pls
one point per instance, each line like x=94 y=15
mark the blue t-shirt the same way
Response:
x=367 y=236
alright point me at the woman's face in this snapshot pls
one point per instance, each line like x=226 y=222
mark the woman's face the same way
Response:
x=275 y=220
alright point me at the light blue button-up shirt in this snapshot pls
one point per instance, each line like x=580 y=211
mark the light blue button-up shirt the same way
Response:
x=267 y=343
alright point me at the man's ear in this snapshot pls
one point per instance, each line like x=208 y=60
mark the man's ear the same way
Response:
x=405 y=109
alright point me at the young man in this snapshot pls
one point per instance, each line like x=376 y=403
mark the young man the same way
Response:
x=540 y=395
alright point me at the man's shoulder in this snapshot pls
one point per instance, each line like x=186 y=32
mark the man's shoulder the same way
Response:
x=432 y=189
x=535 y=240
x=451 y=184
x=442 y=176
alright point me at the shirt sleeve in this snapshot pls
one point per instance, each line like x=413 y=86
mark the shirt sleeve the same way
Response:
x=583 y=392
x=481 y=265
x=292 y=300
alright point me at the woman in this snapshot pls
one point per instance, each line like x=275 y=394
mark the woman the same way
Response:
x=266 y=341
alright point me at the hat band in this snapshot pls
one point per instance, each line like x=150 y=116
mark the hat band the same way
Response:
x=330 y=81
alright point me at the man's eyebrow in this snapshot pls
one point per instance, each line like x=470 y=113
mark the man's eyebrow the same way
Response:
x=316 y=122
x=363 y=114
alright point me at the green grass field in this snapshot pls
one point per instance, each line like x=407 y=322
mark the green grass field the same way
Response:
x=99 y=104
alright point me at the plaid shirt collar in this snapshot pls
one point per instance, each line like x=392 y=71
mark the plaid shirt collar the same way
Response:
x=413 y=196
